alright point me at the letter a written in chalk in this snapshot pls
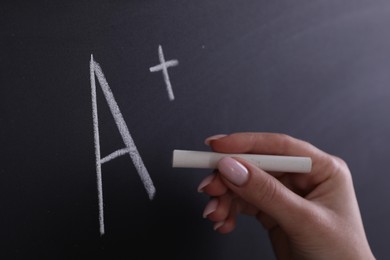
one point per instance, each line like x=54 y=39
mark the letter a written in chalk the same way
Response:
x=130 y=148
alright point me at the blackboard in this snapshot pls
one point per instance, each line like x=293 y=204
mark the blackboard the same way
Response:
x=316 y=70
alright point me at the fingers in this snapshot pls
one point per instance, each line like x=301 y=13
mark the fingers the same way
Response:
x=224 y=206
x=264 y=191
x=222 y=211
x=261 y=143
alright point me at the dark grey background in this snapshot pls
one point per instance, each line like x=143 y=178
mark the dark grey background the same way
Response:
x=317 y=70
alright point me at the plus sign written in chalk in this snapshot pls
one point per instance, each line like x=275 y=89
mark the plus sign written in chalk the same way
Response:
x=163 y=66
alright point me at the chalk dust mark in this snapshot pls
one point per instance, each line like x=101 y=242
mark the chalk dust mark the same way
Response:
x=131 y=149
x=163 y=66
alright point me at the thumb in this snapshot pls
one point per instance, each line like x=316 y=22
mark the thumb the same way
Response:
x=263 y=191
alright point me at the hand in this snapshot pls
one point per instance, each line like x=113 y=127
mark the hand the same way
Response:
x=308 y=216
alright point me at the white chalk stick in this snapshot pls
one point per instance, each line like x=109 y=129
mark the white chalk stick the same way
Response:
x=273 y=163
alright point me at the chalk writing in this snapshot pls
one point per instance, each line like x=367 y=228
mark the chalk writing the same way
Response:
x=163 y=66
x=130 y=148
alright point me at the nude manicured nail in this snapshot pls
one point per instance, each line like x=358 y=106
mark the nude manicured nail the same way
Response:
x=218 y=225
x=210 y=207
x=214 y=137
x=232 y=170
x=206 y=181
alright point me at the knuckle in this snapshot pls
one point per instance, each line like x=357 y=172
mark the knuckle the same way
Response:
x=267 y=192
x=337 y=163
x=340 y=162
x=338 y=166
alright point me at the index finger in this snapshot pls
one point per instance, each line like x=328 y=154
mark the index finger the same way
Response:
x=275 y=144
x=263 y=143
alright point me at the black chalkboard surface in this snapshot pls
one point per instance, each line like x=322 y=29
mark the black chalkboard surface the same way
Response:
x=174 y=73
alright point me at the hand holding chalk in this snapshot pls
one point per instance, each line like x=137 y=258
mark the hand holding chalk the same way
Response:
x=300 y=211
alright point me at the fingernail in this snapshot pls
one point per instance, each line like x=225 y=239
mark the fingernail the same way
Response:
x=206 y=181
x=210 y=207
x=218 y=225
x=232 y=170
x=214 y=137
